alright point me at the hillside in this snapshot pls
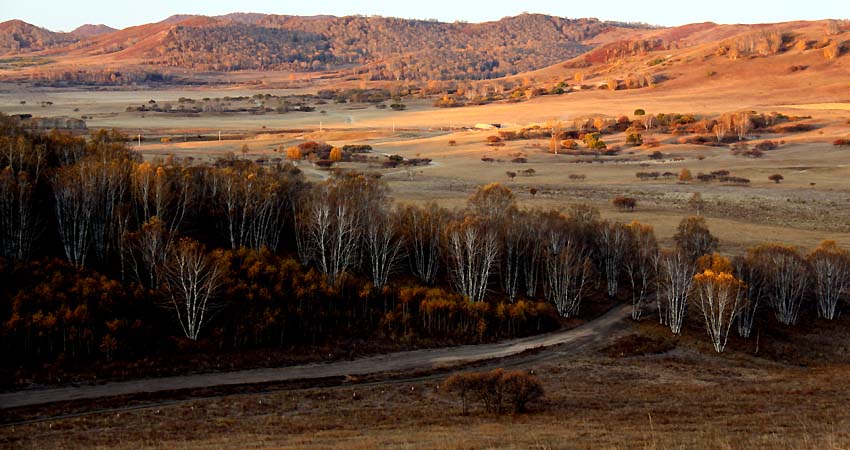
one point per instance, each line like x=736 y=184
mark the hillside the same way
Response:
x=89 y=30
x=387 y=48
x=703 y=56
x=542 y=50
x=19 y=37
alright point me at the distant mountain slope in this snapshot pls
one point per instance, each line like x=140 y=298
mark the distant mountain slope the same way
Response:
x=388 y=48
x=529 y=47
x=792 y=60
x=17 y=36
x=89 y=30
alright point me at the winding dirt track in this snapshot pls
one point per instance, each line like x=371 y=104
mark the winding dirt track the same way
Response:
x=393 y=362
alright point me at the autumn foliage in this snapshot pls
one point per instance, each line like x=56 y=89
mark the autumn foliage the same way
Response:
x=104 y=257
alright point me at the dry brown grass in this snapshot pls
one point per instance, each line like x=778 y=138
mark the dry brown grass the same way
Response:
x=676 y=401
x=678 y=395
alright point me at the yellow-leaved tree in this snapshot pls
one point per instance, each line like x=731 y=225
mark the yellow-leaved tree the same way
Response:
x=719 y=297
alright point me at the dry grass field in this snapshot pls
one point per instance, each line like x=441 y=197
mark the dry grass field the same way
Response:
x=638 y=388
x=810 y=205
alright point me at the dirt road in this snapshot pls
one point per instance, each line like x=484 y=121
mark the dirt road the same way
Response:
x=393 y=362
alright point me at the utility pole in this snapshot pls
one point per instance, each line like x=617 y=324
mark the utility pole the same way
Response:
x=140 y=139
x=320 y=127
x=219 y=135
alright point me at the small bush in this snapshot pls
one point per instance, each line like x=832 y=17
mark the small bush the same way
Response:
x=795 y=128
x=651 y=143
x=495 y=388
x=841 y=142
x=624 y=203
x=569 y=144
x=767 y=146
x=356 y=148
x=643 y=176
x=634 y=138
x=735 y=180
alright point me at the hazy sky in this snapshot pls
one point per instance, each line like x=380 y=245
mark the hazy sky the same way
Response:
x=66 y=15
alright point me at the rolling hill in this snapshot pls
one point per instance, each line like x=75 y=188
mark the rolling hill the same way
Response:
x=18 y=37
x=587 y=53
x=388 y=48
x=89 y=30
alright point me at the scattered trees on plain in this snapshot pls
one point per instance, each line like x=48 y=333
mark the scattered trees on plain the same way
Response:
x=624 y=203
x=776 y=178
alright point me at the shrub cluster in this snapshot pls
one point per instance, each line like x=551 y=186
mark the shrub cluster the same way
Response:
x=495 y=389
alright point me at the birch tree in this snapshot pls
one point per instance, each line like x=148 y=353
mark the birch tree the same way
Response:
x=720 y=129
x=75 y=203
x=472 y=251
x=334 y=233
x=331 y=227
x=194 y=278
x=742 y=123
x=566 y=268
x=514 y=245
x=751 y=293
x=640 y=265
x=162 y=192
x=20 y=224
x=532 y=256
x=676 y=276
x=717 y=298
x=22 y=155
x=611 y=241
x=383 y=244
x=693 y=238
x=830 y=267
x=785 y=276
x=492 y=202
x=148 y=250
x=253 y=204
x=423 y=228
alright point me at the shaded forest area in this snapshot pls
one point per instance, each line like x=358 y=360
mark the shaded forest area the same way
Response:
x=109 y=258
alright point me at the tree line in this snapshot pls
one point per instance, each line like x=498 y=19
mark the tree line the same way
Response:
x=108 y=256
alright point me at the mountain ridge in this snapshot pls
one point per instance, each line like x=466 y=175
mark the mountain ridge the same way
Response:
x=373 y=48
